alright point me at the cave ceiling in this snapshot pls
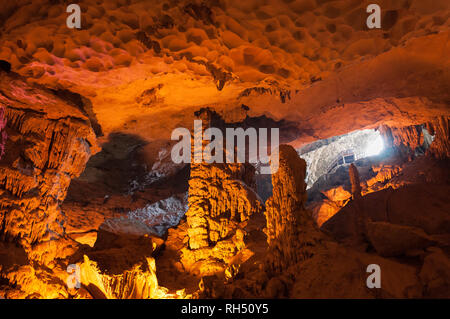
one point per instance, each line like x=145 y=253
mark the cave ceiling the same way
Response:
x=145 y=67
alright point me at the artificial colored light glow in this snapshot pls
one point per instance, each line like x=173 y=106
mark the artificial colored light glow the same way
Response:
x=375 y=146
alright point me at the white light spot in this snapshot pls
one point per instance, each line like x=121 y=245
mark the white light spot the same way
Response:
x=375 y=146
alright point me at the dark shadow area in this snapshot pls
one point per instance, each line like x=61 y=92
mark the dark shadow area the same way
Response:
x=5 y=66
x=109 y=171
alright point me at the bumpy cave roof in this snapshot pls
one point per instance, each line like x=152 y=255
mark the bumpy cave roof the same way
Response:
x=146 y=66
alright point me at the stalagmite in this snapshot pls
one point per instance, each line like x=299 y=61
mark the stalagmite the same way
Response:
x=3 y=134
x=291 y=231
x=354 y=180
x=91 y=177
x=221 y=197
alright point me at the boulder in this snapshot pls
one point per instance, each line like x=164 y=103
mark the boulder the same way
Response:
x=395 y=240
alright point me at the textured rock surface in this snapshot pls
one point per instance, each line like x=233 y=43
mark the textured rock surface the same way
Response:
x=50 y=141
x=354 y=180
x=409 y=139
x=121 y=267
x=409 y=205
x=3 y=134
x=322 y=276
x=394 y=240
x=440 y=148
x=221 y=198
x=290 y=229
x=143 y=68
x=140 y=282
x=435 y=274
x=313 y=62
x=154 y=219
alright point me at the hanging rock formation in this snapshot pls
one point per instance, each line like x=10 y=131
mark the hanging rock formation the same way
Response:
x=122 y=267
x=440 y=128
x=49 y=142
x=410 y=139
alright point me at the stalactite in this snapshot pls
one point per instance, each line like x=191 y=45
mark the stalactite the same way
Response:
x=139 y=282
x=440 y=128
x=408 y=138
x=49 y=144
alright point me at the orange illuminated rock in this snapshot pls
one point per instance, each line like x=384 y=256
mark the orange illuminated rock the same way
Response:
x=139 y=282
x=121 y=267
x=291 y=231
x=141 y=68
x=325 y=210
x=337 y=194
x=49 y=142
x=354 y=180
x=440 y=128
x=221 y=198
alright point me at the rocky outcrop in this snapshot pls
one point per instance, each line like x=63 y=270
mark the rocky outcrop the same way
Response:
x=49 y=142
x=340 y=272
x=408 y=138
x=412 y=139
x=395 y=240
x=139 y=282
x=221 y=198
x=336 y=198
x=385 y=172
x=435 y=274
x=291 y=231
x=121 y=267
x=440 y=128
x=397 y=221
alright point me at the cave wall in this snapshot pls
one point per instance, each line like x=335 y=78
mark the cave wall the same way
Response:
x=408 y=139
x=143 y=68
x=48 y=143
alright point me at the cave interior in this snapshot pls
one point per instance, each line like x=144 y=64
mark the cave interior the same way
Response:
x=93 y=206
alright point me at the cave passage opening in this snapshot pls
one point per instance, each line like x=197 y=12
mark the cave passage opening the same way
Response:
x=325 y=157
x=328 y=159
